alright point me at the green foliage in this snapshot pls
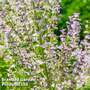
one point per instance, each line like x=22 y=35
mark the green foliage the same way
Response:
x=3 y=68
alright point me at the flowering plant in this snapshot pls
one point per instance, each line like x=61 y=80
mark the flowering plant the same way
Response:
x=30 y=46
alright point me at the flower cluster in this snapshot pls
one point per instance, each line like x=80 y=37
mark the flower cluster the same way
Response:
x=73 y=55
x=73 y=27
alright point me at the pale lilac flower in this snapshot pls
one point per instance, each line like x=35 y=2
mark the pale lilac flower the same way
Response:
x=62 y=39
x=63 y=31
x=17 y=6
x=59 y=47
x=7 y=30
x=47 y=43
x=14 y=44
